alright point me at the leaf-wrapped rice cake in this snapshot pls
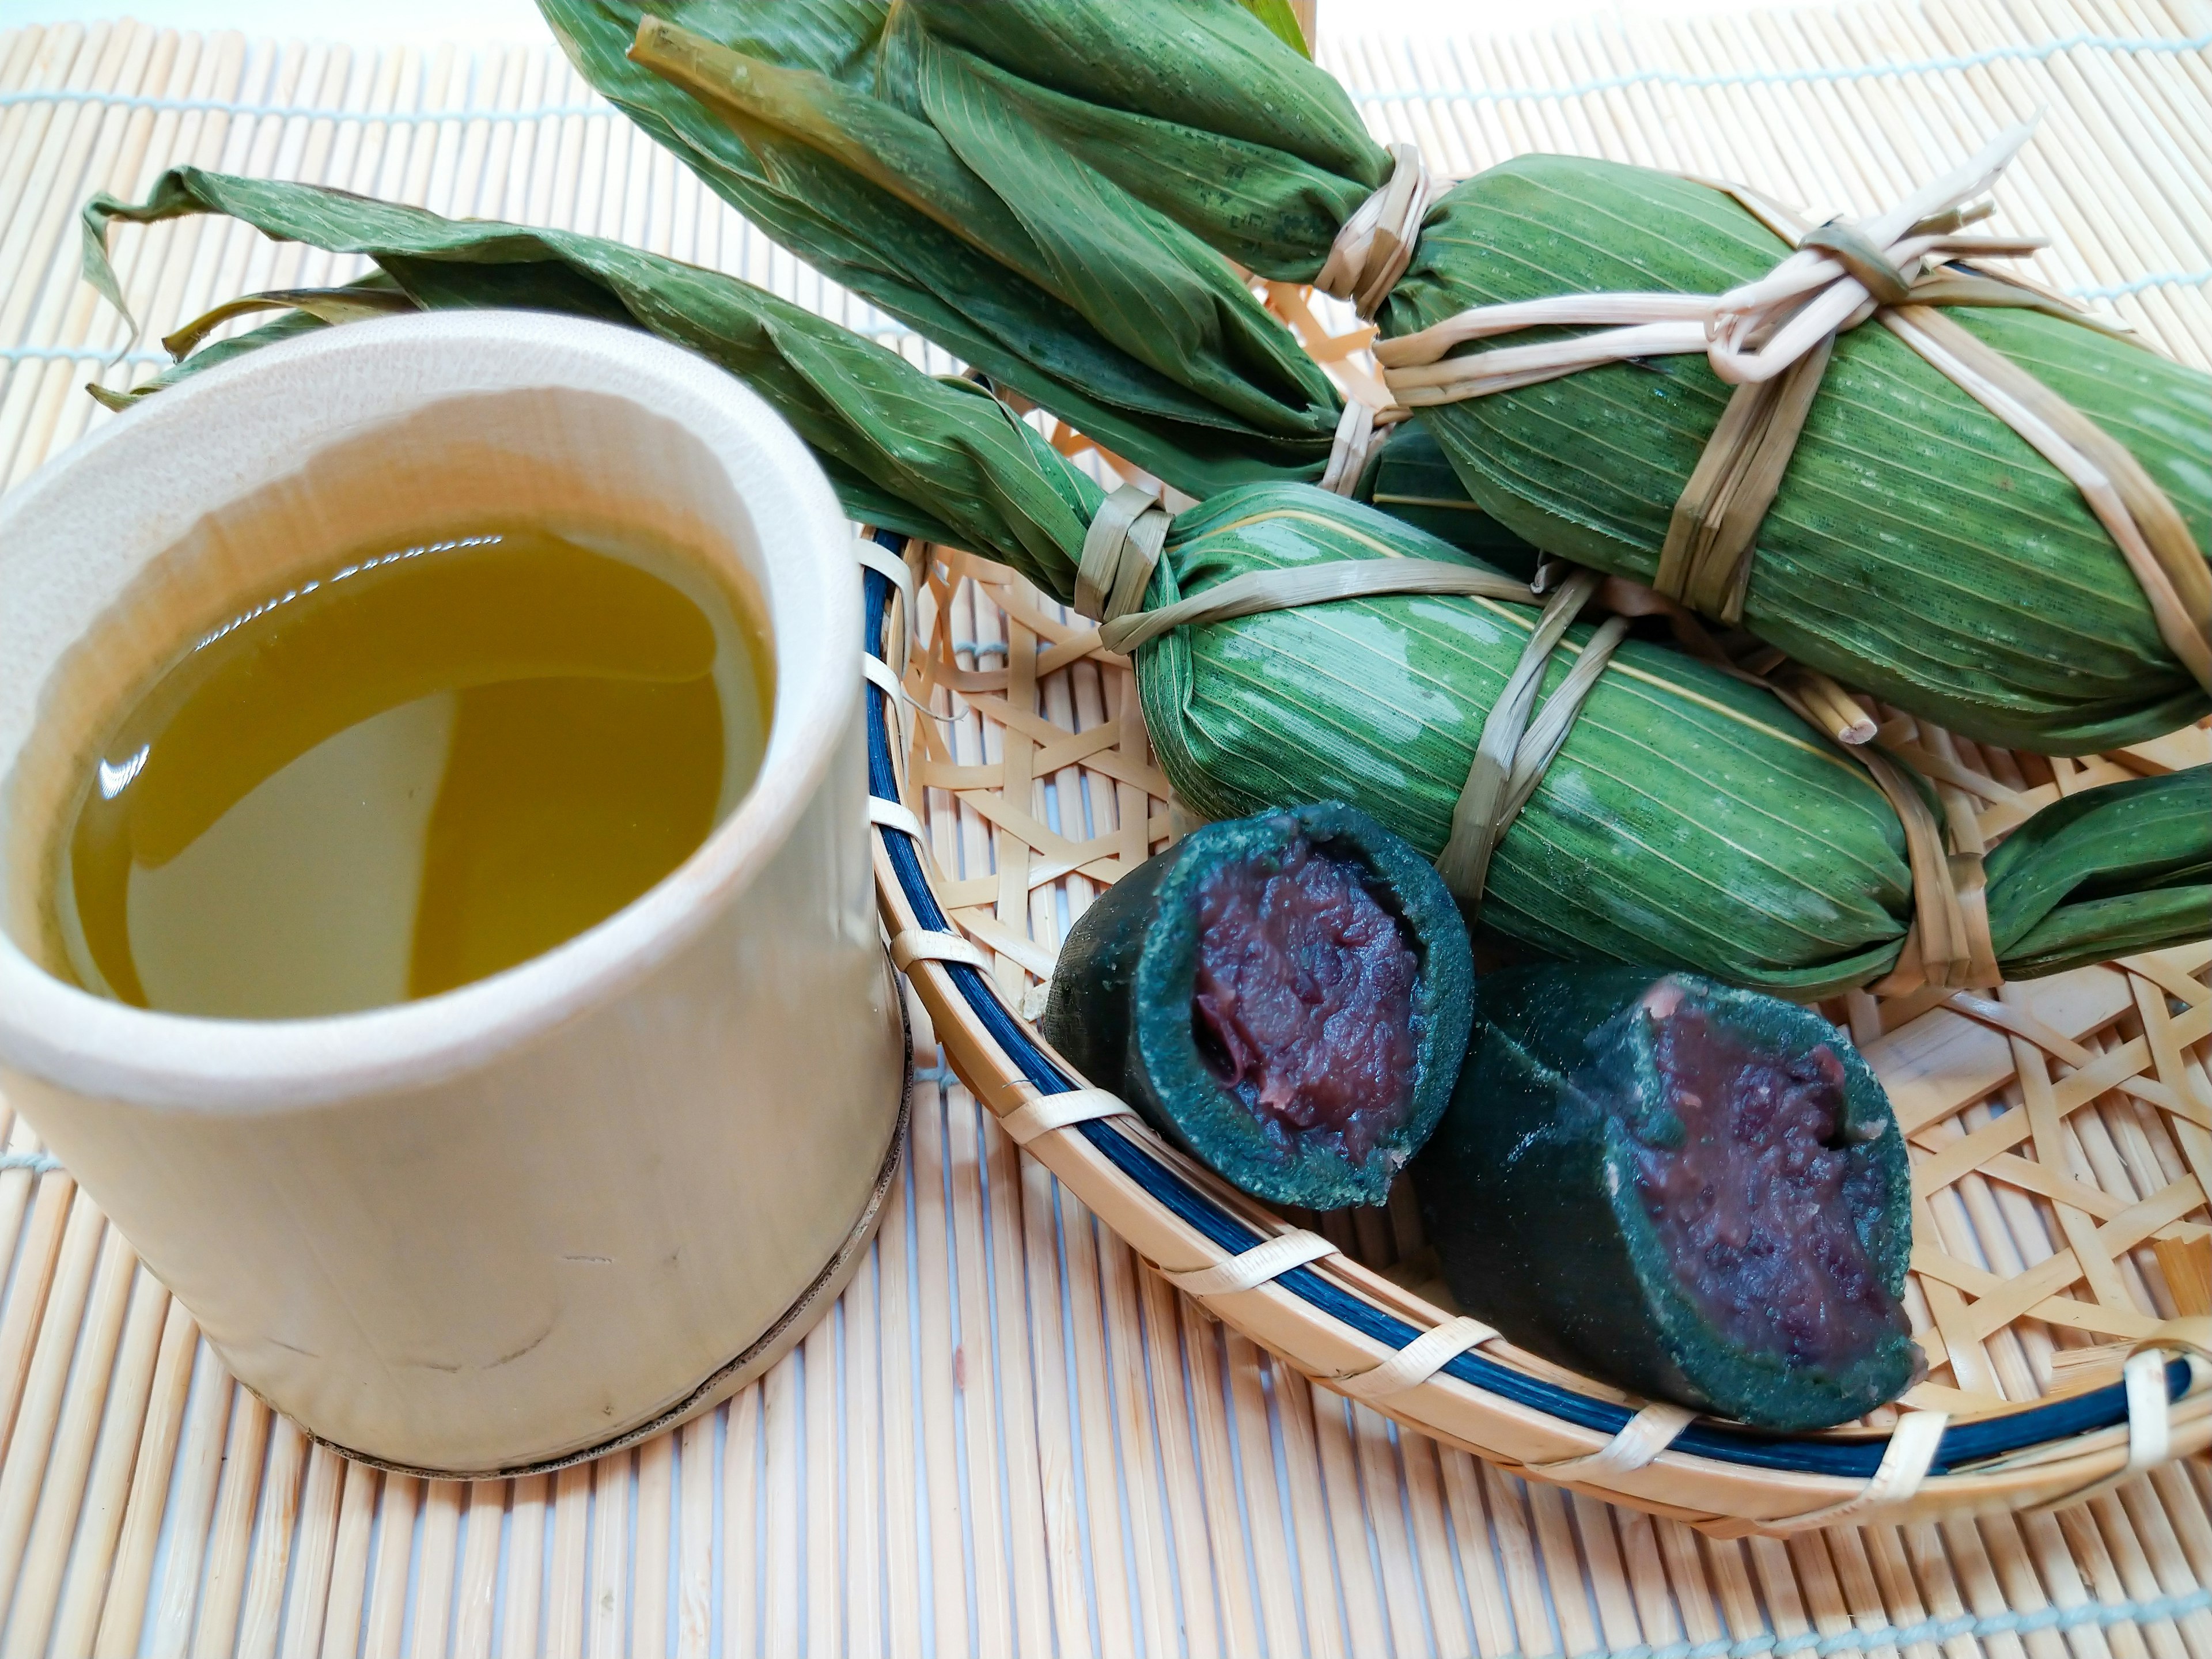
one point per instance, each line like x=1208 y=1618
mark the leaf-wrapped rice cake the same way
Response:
x=1920 y=548
x=1689 y=820
x=844 y=132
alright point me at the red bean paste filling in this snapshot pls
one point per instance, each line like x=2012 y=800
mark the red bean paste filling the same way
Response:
x=1756 y=1208
x=1303 y=1006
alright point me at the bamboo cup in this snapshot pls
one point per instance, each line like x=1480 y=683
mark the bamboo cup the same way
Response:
x=562 y=1208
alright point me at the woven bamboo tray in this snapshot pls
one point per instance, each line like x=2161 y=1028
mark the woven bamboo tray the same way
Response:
x=1011 y=1437
x=2060 y=1133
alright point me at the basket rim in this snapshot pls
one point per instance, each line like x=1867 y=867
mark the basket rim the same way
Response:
x=1980 y=1441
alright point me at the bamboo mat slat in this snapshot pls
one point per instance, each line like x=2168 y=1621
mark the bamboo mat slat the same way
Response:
x=1009 y=1436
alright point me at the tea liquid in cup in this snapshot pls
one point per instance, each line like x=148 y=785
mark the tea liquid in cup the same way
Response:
x=420 y=766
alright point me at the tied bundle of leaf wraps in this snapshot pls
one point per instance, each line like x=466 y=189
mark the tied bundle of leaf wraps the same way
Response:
x=818 y=121
x=1688 y=819
x=1917 y=544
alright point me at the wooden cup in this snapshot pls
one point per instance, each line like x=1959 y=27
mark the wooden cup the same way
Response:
x=562 y=1207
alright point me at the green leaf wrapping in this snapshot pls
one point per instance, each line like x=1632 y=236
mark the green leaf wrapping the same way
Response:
x=1191 y=316
x=2104 y=873
x=1044 y=270
x=1918 y=549
x=1191 y=110
x=935 y=458
x=1690 y=821
x=1690 y=817
x=1176 y=366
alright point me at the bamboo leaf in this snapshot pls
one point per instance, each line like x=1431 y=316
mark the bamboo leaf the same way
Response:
x=1269 y=210
x=955 y=461
x=324 y=304
x=1918 y=549
x=923 y=264
x=1147 y=281
x=1281 y=22
x=1209 y=64
x=1689 y=819
x=1064 y=281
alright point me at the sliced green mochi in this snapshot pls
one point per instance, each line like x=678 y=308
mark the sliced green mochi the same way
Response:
x=1285 y=996
x=1696 y=1192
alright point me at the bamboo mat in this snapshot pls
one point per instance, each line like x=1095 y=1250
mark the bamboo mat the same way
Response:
x=1010 y=1438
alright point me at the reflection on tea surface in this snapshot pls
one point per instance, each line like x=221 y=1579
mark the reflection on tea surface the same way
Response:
x=430 y=764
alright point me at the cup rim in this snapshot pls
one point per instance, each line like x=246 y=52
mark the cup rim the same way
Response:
x=93 y=1046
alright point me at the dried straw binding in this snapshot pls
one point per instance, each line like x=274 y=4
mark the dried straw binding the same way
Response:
x=2074 y=1358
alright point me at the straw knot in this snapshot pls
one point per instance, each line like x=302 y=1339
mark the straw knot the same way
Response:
x=1771 y=339
x=1375 y=244
x=1838 y=273
x=1119 y=549
x=1360 y=433
x=1513 y=751
x=1832 y=280
x=1869 y=266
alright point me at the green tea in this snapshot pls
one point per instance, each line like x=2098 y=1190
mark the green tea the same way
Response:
x=432 y=762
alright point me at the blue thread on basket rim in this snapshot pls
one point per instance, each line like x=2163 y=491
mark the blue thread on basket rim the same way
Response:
x=1961 y=1444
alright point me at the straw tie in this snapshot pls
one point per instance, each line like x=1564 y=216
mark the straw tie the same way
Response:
x=1370 y=253
x=1418 y=1361
x=1641 y=1439
x=1120 y=550
x=1361 y=432
x=1771 y=339
x=1375 y=244
x=936 y=945
x=1512 y=753
x=895 y=815
x=1949 y=944
x=1264 y=1262
x=1123 y=546
x=2150 y=1416
x=1296 y=585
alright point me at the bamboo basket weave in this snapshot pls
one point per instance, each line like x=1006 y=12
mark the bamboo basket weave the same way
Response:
x=2074 y=1105
x=1009 y=1438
